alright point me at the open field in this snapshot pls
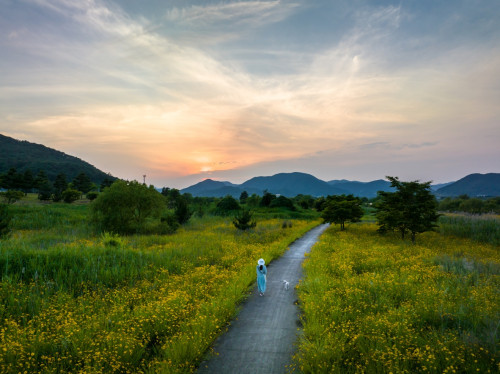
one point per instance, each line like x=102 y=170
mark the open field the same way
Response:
x=378 y=305
x=74 y=302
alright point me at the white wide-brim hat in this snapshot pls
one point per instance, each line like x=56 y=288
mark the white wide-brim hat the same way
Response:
x=261 y=261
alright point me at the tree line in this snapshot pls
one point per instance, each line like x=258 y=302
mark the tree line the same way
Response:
x=471 y=205
x=125 y=207
x=58 y=189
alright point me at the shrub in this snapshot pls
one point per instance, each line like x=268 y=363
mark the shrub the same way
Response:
x=228 y=205
x=11 y=196
x=92 y=195
x=125 y=206
x=243 y=221
x=71 y=195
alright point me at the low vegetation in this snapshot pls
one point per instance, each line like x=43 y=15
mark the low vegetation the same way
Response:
x=72 y=301
x=377 y=304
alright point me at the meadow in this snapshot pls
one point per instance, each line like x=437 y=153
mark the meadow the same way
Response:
x=377 y=304
x=73 y=301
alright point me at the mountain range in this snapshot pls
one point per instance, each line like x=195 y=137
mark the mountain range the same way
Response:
x=293 y=184
x=24 y=155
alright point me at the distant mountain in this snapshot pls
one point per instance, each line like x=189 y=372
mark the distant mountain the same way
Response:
x=293 y=184
x=474 y=185
x=363 y=189
x=211 y=188
x=23 y=155
x=435 y=187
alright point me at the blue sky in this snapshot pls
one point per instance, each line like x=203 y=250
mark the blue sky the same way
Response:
x=187 y=90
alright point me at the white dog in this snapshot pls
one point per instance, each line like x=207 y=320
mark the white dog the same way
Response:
x=286 y=284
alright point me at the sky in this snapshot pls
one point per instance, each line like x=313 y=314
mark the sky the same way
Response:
x=181 y=90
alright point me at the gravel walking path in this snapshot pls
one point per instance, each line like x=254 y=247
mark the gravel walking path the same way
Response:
x=262 y=338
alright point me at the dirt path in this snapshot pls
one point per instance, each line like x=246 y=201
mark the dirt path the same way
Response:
x=262 y=338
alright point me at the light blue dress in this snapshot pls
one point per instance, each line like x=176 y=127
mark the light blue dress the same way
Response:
x=261 y=278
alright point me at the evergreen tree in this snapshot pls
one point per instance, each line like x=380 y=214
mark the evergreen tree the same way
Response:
x=60 y=185
x=243 y=221
x=28 y=181
x=82 y=183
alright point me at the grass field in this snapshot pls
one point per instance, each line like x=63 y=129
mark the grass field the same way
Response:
x=74 y=302
x=377 y=304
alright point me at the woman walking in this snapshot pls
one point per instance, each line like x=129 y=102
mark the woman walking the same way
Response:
x=261 y=276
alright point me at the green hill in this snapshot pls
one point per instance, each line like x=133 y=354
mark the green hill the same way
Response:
x=23 y=155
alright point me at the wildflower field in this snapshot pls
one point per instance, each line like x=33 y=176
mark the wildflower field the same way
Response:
x=377 y=304
x=71 y=301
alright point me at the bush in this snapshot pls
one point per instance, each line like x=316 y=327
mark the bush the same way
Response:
x=11 y=196
x=92 y=195
x=282 y=202
x=125 y=206
x=228 y=205
x=71 y=195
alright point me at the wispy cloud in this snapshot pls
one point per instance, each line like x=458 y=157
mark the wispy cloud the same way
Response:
x=180 y=94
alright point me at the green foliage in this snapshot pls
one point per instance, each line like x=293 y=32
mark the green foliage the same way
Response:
x=227 y=206
x=470 y=205
x=71 y=195
x=253 y=200
x=111 y=240
x=341 y=209
x=11 y=196
x=267 y=198
x=182 y=212
x=92 y=195
x=44 y=190
x=282 y=202
x=82 y=183
x=243 y=220
x=5 y=221
x=243 y=197
x=125 y=206
x=412 y=208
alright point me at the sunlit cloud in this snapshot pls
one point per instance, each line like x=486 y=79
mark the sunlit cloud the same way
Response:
x=176 y=96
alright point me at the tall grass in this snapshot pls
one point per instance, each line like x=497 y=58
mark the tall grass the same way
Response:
x=73 y=302
x=482 y=228
x=378 y=305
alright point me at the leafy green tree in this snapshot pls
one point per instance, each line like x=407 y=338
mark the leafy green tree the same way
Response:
x=124 y=207
x=267 y=198
x=70 y=195
x=342 y=209
x=243 y=220
x=253 y=200
x=41 y=179
x=11 y=196
x=243 y=197
x=320 y=203
x=182 y=212
x=412 y=208
x=5 y=221
x=228 y=205
x=282 y=202
x=92 y=195
x=82 y=183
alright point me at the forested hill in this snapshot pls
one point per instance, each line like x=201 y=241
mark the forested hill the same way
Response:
x=23 y=155
x=473 y=185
